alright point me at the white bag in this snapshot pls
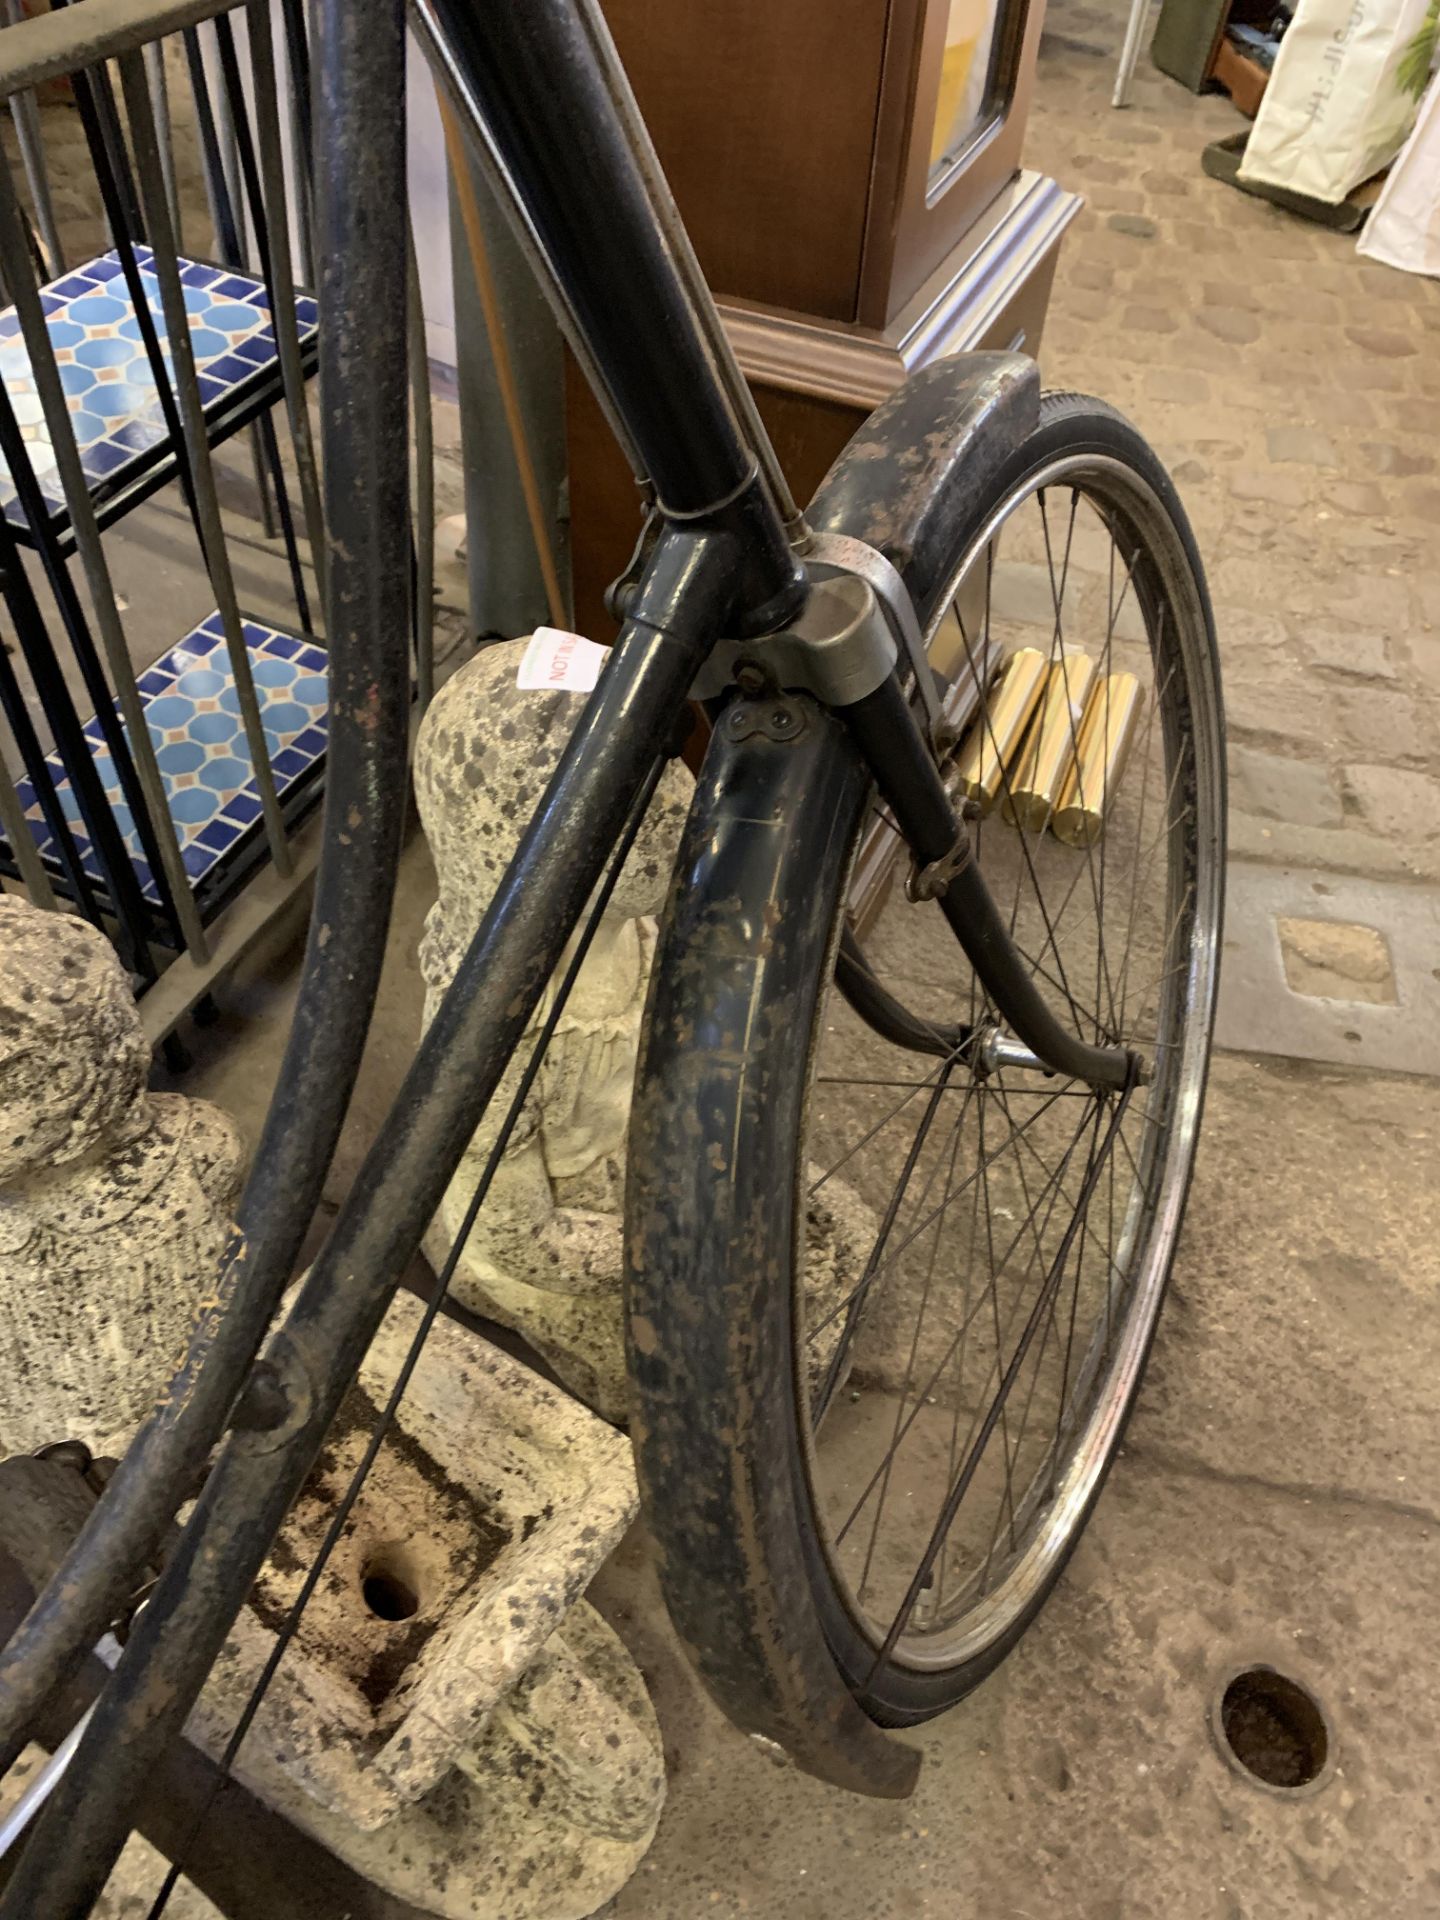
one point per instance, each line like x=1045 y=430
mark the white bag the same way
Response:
x=1341 y=99
x=1404 y=227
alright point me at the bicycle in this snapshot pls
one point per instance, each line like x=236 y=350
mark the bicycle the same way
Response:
x=1045 y=1022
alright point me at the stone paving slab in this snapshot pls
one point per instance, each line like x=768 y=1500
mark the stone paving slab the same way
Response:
x=1294 y=389
x=1300 y=1344
x=1336 y=1019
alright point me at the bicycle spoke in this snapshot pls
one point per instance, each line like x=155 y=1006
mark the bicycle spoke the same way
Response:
x=856 y=1304
x=1085 y=1094
x=1139 y=839
x=1053 y=1187
x=1021 y=839
x=930 y=1384
x=909 y=1372
x=890 y=1259
x=967 y=1472
x=888 y=1263
x=1074 y=727
x=900 y=1106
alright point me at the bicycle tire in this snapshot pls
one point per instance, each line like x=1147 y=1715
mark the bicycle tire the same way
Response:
x=719 y=1136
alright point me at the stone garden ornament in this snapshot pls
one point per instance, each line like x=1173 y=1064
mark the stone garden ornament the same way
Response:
x=453 y=1719
x=544 y=1256
x=114 y=1202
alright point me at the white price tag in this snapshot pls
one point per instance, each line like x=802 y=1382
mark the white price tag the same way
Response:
x=566 y=661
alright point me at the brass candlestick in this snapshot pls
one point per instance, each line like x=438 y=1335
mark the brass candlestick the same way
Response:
x=1106 y=735
x=996 y=735
x=1049 y=749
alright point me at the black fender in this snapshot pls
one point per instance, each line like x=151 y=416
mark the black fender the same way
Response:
x=748 y=926
x=711 y=1202
x=927 y=458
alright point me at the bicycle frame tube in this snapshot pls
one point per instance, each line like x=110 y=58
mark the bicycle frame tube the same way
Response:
x=722 y=564
x=549 y=100
x=456 y=75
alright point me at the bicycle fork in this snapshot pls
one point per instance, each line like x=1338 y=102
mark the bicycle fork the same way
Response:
x=849 y=647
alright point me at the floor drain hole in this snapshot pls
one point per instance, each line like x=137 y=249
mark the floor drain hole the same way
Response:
x=387 y=1593
x=1274 y=1728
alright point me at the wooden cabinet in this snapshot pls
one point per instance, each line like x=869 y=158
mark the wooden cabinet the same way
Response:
x=849 y=172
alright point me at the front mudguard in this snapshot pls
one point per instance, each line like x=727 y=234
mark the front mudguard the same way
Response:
x=743 y=954
x=924 y=463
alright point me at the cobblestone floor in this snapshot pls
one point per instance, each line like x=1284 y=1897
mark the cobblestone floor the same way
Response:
x=1294 y=390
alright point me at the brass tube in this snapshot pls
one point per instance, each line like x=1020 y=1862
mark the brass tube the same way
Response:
x=1106 y=735
x=1049 y=747
x=980 y=770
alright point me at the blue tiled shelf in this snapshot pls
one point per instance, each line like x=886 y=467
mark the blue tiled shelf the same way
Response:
x=192 y=710
x=107 y=375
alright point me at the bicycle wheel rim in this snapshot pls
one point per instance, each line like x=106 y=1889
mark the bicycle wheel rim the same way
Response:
x=1135 y=502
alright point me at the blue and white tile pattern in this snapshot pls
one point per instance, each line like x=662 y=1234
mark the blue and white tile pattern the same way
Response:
x=192 y=709
x=106 y=372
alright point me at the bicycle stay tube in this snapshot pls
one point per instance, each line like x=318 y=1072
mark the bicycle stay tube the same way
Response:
x=723 y=563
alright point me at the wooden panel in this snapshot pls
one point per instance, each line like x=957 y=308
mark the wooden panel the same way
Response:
x=902 y=255
x=807 y=434
x=763 y=114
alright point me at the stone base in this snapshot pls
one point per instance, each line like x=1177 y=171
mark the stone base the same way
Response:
x=451 y=1719
x=519 y=1830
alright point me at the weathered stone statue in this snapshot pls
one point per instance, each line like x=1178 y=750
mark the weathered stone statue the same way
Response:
x=114 y=1203
x=544 y=1256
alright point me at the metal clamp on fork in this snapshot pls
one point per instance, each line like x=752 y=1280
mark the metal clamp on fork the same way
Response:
x=857 y=622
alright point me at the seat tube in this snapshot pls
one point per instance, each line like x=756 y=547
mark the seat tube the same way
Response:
x=543 y=90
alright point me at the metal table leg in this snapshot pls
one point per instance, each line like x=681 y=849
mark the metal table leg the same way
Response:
x=1129 y=53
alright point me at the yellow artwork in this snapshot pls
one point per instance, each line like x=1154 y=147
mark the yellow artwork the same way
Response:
x=962 y=74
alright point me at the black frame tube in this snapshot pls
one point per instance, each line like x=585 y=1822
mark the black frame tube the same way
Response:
x=533 y=73
x=362 y=360
x=251 y=1862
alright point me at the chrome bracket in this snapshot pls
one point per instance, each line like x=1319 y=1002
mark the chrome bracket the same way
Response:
x=857 y=621
x=831 y=554
x=839 y=648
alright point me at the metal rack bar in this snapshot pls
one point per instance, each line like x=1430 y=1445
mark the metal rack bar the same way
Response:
x=266 y=188
x=143 y=786
x=197 y=447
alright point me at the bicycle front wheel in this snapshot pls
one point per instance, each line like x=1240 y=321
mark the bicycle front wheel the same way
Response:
x=926 y=1377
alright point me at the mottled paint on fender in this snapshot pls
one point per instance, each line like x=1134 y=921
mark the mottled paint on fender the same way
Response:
x=913 y=475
